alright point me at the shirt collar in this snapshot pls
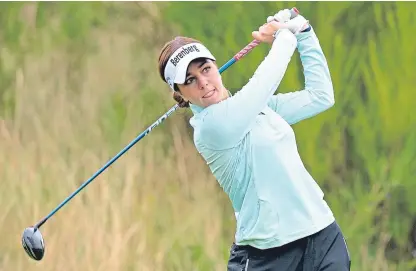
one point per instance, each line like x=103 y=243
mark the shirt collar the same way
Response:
x=196 y=109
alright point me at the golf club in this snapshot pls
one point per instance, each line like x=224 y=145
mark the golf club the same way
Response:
x=32 y=239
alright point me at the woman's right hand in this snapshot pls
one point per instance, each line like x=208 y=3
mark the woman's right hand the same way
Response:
x=295 y=25
x=266 y=32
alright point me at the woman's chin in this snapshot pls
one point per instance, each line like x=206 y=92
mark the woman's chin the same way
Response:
x=213 y=99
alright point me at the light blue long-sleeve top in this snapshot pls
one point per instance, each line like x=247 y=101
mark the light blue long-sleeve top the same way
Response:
x=250 y=147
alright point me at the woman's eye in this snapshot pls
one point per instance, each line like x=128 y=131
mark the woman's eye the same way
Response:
x=206 y=69
x=189 y=80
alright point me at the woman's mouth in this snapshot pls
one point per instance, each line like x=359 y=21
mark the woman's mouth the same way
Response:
x=209 y=94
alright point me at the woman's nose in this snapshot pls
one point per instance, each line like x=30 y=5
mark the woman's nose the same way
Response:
x=203 y=83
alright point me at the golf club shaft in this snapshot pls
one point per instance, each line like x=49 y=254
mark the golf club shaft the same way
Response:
x=237 y=57
x=131 y=144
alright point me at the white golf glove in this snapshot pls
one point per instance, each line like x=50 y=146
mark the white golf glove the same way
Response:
x=295 y=25
x=282 y=16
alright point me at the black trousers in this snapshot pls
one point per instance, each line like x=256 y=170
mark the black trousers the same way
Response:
x=325 y=250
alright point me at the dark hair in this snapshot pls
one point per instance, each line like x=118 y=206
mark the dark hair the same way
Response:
x=167 y=51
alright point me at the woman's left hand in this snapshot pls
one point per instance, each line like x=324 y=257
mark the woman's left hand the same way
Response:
x=296 y=25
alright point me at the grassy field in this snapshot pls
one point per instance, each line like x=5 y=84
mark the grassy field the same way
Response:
x=79 y=87
x=149 y=211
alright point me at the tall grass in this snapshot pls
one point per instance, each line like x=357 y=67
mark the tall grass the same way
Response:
x=79 y=82
x=156 y=208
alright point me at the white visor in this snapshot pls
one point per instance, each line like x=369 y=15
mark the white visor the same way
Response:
x=175 y=70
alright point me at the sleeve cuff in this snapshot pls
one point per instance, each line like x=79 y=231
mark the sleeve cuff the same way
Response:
x=305 y=33
x=286 y=35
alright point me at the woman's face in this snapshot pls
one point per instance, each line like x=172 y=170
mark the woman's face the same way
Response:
x=203 y=84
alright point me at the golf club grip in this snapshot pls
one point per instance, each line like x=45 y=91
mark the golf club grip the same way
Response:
x=294 y=12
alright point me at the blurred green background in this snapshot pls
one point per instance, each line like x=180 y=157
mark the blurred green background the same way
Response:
x=79 y=80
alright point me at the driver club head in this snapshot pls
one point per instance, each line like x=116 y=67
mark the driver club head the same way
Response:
x=33 y=244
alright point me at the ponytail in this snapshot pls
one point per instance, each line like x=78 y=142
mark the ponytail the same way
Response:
x=179 y=99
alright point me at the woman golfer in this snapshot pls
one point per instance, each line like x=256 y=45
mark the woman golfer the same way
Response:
x=283 y=222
